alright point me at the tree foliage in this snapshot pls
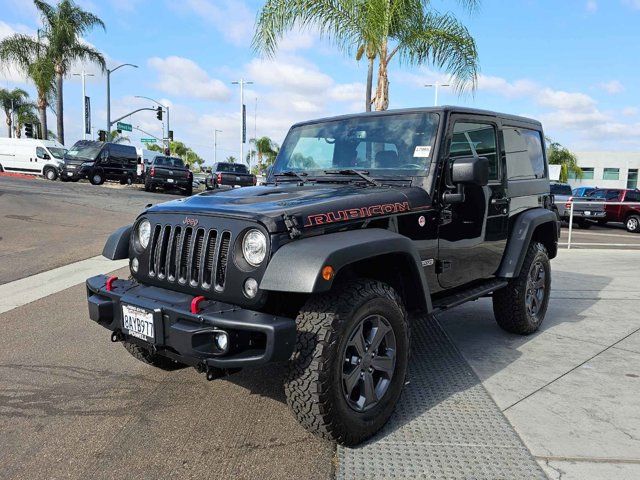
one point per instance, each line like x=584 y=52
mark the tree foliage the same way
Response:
x=11 y=100
x=560 y=155
x=266 y=151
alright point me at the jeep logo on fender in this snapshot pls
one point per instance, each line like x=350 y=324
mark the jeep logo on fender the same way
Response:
x=192 y=222
x=354 y=213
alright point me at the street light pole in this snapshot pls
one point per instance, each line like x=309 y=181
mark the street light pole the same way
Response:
x=215 y=145
x=242 y=82
x=109 y=72
x=437 y=85
x=84 y=101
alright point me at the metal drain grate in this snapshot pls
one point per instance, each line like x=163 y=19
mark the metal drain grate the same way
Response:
x=446 y=425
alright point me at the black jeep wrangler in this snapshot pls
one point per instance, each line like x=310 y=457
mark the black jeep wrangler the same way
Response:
x=364 y=218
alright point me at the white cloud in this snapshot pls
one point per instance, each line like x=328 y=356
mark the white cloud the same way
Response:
x=348 y=92
x=182 y=77
x=293 y=75
x=558 y=99
x=233 y=18
x=612 y=87
x=518 y=88
x=632 y=3
x=630 y=111
x=591 y=6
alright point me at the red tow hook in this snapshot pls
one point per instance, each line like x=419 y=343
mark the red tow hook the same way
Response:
x=110 y=281
x=195 y=304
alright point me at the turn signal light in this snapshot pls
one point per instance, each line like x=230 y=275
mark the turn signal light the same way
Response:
x=328 y=272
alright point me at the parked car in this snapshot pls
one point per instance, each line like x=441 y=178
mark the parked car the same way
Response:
x=582 y=191
x=583 y=215
x=144 y=160
x=627 y=214
x=320 y=266
x=229 y=174
x=169 y=173
x=31 y=156
x=100 y=161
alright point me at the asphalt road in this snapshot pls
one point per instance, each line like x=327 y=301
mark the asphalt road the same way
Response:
x=611 y=235
x=44 y=224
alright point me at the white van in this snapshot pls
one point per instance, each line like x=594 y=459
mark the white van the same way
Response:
x=144 y=159
x=32 y=156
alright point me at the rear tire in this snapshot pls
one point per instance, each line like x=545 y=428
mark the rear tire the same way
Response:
x=350 y=361
x=148 y=186
x=50 y=173
x=188 y=192
x=146 y=356
x=520 y=307
x=632 y=223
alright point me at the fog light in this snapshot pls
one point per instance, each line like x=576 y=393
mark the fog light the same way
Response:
x=134 y=265
x=221 y=339
x=251 y=287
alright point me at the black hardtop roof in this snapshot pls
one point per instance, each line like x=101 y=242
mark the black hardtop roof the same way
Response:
x=443 y=109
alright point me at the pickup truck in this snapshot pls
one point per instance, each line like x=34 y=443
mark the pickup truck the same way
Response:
x=168 y=173
x=229 y=174
x=583 y=215
x=629 y=213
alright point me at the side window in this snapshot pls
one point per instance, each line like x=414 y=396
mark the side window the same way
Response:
x=476 y=139
x=40 y=152
x=613 y=194
x=632 y=197
x=523 y=149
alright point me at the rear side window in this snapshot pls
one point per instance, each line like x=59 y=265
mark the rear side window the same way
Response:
x=632 y=197
x=525 y=156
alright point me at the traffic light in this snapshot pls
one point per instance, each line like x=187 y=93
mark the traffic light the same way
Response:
x=28 y=130
x=171 y=135
x=167 y=151
x=159 y=113
x=102 y=135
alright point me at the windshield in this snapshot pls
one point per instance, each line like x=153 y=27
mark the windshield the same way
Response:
x=232 y=167
x=396 y=144
x=169 y=162
x=560 y=189
x=57 y=152
x=84 y=151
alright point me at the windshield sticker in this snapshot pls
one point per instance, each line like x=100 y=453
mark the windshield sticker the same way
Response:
x=422 y=151
x=355 y=213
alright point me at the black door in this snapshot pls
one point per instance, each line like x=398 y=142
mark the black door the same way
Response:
x=473 y=234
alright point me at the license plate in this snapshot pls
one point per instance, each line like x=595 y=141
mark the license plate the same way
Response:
x=169 y=180
x=138 y=322
x=587 y=213
x=69 y=174
x=237 y=179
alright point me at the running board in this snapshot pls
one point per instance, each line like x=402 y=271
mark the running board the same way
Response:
x=464 y=296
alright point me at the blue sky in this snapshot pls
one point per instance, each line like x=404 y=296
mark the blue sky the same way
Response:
x=573 y=64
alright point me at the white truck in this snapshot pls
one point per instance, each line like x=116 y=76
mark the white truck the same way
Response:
x=32 y=156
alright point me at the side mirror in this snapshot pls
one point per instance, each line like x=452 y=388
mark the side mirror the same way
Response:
x=46 y=156
x=466 y=171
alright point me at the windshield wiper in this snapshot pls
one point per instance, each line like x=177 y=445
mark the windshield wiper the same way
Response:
x=291 y=173
x=362 y=174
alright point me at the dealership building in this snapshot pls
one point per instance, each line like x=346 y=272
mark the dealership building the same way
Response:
x=607 y=169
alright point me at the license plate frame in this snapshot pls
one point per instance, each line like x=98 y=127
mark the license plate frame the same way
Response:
x=139 y=322
x=169 y=180
x=587 y=213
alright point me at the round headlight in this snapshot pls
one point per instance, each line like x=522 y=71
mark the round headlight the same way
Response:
x=144 y=233
x=254 y=247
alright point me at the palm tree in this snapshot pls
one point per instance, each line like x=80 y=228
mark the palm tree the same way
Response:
x=560 y=155
x=231 y=159
x=116 y=137
x=266 y=150
x=29 y=56
x=10 y=100
x=382 y=29
x=63 y=27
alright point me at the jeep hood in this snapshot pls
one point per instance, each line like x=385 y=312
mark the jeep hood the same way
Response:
x=311 y=204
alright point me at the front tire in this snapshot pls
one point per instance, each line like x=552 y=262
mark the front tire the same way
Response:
x=96 y=177
x=350 y=362
x=50 y=173
x=520 y=307
x=146 y=356
x=632 y=223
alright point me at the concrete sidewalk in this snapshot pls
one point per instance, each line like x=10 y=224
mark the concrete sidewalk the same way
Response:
x=572 y=390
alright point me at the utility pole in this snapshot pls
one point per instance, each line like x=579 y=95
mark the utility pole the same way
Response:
x=109 y=72
x=243 y=115
x=436 y=86
x=84 y=100
x=215 y=145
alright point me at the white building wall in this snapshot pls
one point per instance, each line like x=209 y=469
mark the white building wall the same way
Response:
x=601 y=160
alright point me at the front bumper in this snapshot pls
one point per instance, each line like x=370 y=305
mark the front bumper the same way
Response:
x=75 y=173
x=255 y=338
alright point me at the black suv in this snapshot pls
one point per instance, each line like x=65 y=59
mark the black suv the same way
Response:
x=364 y=218
x=100 y=161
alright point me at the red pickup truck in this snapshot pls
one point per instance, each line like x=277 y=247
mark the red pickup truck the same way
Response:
x=627 y=214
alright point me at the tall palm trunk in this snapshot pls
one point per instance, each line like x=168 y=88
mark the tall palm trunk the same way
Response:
x=382 y=90
x=369 y=85
x=8 y=124
x=42 y=114
x=59 y=105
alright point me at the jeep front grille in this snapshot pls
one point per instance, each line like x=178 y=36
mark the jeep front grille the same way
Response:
x=193 y=257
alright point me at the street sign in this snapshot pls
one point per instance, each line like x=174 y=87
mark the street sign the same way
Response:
x=124 y=126
x=148 y=140
x=87 y=115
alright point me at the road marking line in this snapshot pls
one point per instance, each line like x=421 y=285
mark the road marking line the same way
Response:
x=598 y=234
x=26 y=290
x=605 y=244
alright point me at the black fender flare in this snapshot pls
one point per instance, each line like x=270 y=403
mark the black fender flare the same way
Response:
x=524 y=225
x=297 y=266
x=117 y=246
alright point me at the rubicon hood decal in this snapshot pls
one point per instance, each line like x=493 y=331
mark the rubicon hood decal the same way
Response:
x=355 y=213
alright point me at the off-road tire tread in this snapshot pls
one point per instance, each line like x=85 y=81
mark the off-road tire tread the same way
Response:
x=508 y=307
x=307 y=384
x=145 y=356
